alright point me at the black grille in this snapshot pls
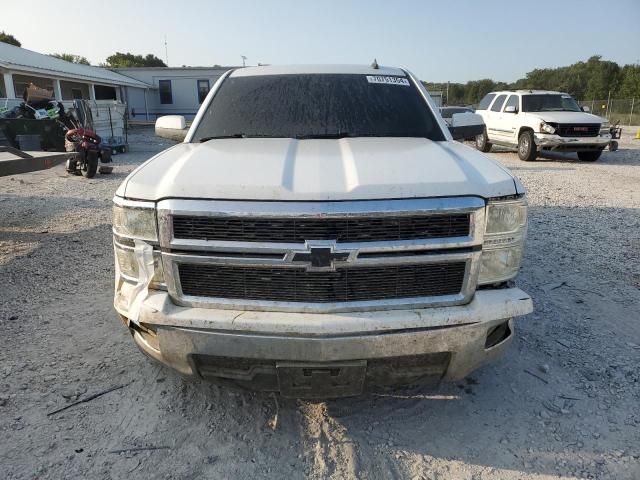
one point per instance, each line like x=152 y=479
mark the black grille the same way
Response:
x=342 y=285
x=577 y=129
x=288 y=230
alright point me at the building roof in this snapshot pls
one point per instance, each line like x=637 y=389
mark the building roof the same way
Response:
x=168 y=69
x=302 y=69
x=21 y=59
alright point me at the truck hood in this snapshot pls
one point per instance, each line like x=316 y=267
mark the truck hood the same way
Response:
x=344 y=169
x=567 y=117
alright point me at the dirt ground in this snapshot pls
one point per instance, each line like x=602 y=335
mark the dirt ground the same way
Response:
x=564 y=402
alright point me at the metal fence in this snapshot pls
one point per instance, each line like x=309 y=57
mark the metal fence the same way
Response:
x=625 y=110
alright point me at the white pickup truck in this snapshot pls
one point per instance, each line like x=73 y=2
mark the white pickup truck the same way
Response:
x=318 y=233
x=540 y=120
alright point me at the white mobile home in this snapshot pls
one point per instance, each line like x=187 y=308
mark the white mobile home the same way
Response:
x=176 y=90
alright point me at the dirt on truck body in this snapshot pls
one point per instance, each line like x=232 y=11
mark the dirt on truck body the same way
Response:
x=321 y=246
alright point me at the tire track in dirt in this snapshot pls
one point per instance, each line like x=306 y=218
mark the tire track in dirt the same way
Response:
x=331 y=452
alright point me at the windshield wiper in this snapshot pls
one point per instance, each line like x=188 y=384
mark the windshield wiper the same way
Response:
x=307 y=136
x=233 y=135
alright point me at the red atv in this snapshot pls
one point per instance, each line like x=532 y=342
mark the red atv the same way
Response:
x=88 y=153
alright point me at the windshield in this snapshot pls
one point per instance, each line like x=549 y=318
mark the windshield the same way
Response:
x=317 y=106
x=549 y=103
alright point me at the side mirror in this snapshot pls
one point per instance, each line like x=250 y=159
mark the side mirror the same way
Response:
x=466 y=125
x=172 y=127
x=585 y=109
x=510 y=109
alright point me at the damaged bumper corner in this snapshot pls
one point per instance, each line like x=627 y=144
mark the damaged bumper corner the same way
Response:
x=572 y=144
x=135 y=271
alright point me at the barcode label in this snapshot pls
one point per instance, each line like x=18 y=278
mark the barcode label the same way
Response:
x=388 y=80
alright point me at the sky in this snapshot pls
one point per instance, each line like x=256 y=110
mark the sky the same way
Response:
x=455 y=40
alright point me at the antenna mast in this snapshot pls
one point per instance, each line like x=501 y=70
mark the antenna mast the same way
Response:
x=166 y=52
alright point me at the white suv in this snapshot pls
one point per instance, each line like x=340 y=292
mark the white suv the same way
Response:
x=534 y=120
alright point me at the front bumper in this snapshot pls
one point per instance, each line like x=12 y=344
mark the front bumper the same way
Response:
x=571 y=144
x=267 y=350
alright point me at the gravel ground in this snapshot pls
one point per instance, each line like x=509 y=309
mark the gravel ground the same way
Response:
x=564 y=402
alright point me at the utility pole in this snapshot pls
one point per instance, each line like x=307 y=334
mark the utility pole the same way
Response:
x=244 y=60
x=447 y=93
x=166 y=51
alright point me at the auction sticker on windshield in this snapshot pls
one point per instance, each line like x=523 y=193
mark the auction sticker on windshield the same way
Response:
x=387 y=80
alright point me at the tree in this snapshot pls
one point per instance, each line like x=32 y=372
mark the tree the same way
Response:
x=604 y=78
x=70 y=57
x=630 y=83
x=10 y=39
x=589 y=80
x=476 y=89
x=122 y=60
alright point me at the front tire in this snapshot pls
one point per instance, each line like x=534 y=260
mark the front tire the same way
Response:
x=482 y=142
x=589 y=156
x=527 y=149
x=90 y=167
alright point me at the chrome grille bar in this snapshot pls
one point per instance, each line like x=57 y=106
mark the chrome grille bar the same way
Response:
x=205 y=260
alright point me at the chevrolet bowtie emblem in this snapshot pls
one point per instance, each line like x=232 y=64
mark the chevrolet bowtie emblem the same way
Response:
x=320 y=257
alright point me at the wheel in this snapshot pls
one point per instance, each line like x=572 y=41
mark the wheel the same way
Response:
x=527 y=149
x=482 y=142
x=105 y=170
x=613 y=146
x=589 y=156
x=90 y=166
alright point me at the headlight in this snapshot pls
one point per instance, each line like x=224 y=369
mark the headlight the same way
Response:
x=546 y=128
x=500 y=265
x=136 y=220
x=605 y=128
x=134 y=223
x=505 y=232
x=505 y=217
x=128 y=264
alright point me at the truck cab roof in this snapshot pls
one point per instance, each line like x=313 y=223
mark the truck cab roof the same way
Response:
x=317 y=69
